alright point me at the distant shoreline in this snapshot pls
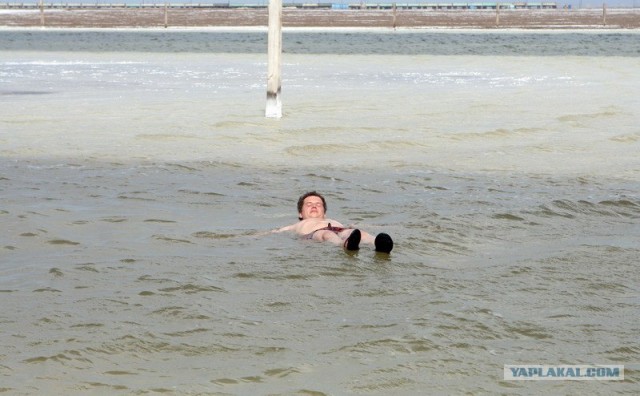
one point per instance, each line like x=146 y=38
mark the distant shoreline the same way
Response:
x=377 y=30
x=555 y=19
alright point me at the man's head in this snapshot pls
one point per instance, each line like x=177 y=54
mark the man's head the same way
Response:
x=311 y=205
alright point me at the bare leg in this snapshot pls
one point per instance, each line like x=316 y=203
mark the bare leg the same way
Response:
x=367 y=238
x=326 y=235
x=382 y=242
x=344 y=238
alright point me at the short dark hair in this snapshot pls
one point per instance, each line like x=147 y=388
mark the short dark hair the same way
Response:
x=307 y=195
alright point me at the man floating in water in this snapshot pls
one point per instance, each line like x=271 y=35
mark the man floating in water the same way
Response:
x=315 y=226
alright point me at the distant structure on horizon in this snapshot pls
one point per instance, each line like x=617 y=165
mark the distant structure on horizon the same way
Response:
x=449 y=6
x=319 y=4
x=345 y=5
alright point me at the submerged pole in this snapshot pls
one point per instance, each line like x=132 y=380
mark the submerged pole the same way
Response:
x=274 y=64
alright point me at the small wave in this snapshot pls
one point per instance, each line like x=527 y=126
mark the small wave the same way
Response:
x=275 y=372
x=335 y=148
x=164 y=137
x=623 y=207
x=191 y=288
x=64 y=358
x=179 y=312
x=213 y=235
x=148 y=278
x=28 y=234
x=608 y=286
x=573 y=118
x=24 y=93
x=135 y=198
x=627 y=138
x=442 y=246
x=120 y=372
x=403 y=345
x=323 y=177
x=138 y=345
x=529 y=330
x=70 y=63
x=235 y=124
x=170 y=239
x=281 y=372
x=182 y=167
x=570 y=209
x=87 y=325
x=201 y=193
x=622 y=203
x=62 y=242
x=47 y=290
x=507 y=216
x=499 y=133
x=394 y=145
x=311 y=149
x=278 y=306
x=264 y=275
x=385 y=386
x=186 y=333
x=87 y=267
x=115 y=219
x=629 y=350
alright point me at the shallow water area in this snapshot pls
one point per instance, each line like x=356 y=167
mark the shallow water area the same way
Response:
x=136 y=186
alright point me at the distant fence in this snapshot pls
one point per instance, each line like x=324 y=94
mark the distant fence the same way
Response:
x=336 y=6
x=152 y=14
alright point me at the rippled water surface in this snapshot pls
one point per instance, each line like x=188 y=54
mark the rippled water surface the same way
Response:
x=314 y=41
x=135 y=183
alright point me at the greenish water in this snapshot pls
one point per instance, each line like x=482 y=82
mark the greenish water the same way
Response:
x=133 y=184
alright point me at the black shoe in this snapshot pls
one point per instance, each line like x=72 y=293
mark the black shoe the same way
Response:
x=353 y=242
x=384 y=243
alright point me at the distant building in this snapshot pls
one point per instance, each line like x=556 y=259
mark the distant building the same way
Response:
x=346 y=5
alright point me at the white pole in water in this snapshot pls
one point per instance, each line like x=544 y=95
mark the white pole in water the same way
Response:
x=274 y=66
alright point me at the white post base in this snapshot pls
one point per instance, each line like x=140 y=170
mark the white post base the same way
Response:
x=274 y=106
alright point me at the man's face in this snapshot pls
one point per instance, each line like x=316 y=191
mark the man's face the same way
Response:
x=312 y=208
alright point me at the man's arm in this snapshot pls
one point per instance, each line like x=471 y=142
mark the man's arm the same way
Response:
x=287 y=228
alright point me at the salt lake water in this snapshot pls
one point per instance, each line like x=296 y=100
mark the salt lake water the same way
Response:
x=137 y=167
